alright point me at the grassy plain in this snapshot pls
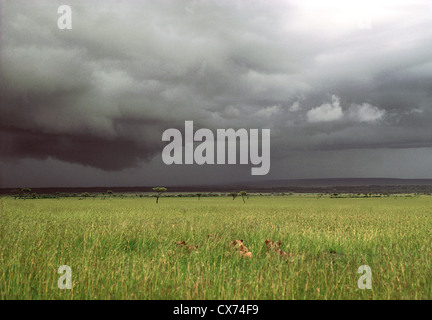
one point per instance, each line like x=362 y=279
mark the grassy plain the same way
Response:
x=125 y=248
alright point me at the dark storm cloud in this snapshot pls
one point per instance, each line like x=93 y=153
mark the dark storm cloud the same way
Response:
x=102 y=93
x=83 y=149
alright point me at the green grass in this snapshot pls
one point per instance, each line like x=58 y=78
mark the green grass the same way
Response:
x=125 y=248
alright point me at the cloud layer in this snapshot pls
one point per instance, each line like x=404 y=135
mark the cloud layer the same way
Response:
x=331 y=76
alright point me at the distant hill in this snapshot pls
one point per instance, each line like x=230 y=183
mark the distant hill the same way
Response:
x=341 y=185
x=348 y=185
x=339 y=182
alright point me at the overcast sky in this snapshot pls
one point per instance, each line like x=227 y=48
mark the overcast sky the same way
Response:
x=344 y=86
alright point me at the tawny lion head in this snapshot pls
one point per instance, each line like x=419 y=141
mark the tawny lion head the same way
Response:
x=236 y=243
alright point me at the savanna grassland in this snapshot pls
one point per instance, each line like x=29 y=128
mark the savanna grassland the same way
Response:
x=126 y=248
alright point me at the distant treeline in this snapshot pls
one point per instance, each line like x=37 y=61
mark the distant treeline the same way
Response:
x=27 y=193
x=402 y=188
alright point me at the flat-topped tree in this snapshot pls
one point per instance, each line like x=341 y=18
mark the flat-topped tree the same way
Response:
x=85 y=195
x=110 y=193
x=243 y=195
x=15 y=193
x=159 y=191
x=26 y=192
x=234 y=195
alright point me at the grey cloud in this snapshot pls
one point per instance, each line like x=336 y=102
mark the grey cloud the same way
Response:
x=102 y=93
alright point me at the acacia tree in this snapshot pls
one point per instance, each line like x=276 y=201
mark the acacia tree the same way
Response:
x=26 y=192
x=15 y=193
x=234 y=195
x=85 y=195
x=110 y=193
x=159 y=191
x=243 y=194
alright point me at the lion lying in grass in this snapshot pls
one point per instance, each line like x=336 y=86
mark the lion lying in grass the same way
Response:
x=241 y=248
x=188 y=247
x=275 y=246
